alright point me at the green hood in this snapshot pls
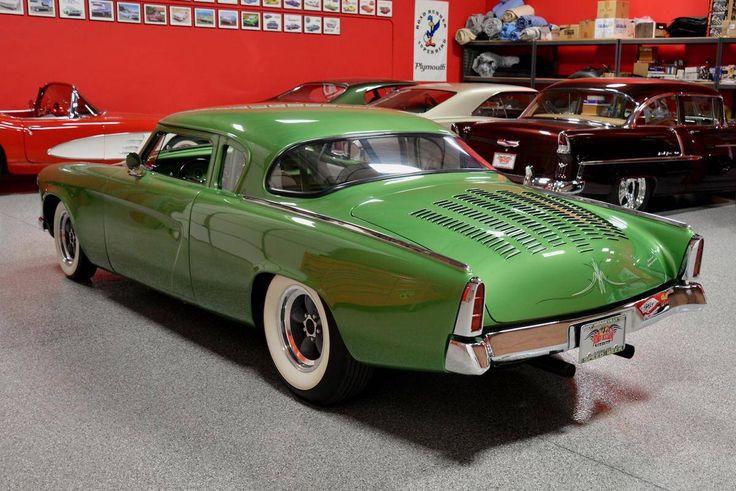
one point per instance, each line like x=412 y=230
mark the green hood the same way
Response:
x=539 y=255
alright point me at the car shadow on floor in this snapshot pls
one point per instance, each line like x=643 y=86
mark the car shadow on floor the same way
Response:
x=17 y=185
x=453 y=415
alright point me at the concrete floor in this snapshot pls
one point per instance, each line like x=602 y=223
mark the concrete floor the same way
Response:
x=112 y=385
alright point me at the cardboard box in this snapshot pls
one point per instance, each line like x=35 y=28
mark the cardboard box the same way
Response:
x=614 y=28
x=570 y=31
x=648 y=54
x=641 y=69
x=587 y=29
x=613 y=9
x=645 y=29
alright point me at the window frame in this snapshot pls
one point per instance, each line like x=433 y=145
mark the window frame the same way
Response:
x=297 y=194
x=182 y=131
x=501 y=94
x=680 y=110
x=220 y=165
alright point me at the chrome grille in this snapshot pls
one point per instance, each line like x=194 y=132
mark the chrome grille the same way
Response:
x=510 y=223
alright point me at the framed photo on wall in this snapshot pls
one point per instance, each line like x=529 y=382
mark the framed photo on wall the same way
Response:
x=271 y=22
x=129 y=12
x=154 y=14
x=250 y=21
x=227 y=19
x=101 y=10
x=349 y=6
x=313 y=5
x=42 y=8
x=14 y=7
x=292 y=4
x=312 y=24
x=204 y=17
x=70 y=9
x=251 y=3
x=292 y=23
x=368 y=7
x=331 y=25
x=385 y=8
x=180 y=16
x=331 y=5
x=272 y=3
x=230 y=2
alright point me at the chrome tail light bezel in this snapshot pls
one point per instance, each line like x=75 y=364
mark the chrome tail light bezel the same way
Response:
x=466 y=310
x=692 y=264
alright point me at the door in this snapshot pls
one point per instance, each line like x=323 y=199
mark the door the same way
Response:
x=147 y=217
x=226 y=240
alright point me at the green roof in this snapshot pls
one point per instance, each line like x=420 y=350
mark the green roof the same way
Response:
x=276 y=126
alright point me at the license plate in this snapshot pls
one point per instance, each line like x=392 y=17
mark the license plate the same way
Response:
x=503 y=160
x=602 y=337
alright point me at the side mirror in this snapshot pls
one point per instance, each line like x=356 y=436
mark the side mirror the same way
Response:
x=134 y=164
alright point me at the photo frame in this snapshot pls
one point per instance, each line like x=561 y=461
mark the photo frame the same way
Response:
x=331 y=25
x=42 y=8
x=180 y=16
x=250 y=21
x=315 y=5
x=385 y=8
x=349 y=6
x=101 y=10
x=331 y=6
x=71 y=9
x=204 y=18
x=228 y=2
x=271 y=22
x=367 y=7
x=292 y=23
x=227 y=19
x=154 y=14
x=251 y=3
x=292 y=4
x=12 y=7
x=312 y=24
x=271 y=3
x=129 y=12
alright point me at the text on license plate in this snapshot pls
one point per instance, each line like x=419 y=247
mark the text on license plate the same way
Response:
x=602 y=337
x=503 y=160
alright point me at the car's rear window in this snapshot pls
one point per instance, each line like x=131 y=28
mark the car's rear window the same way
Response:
x=598 y=106
x=414 y=100
x=324 y=92
x=318 y=167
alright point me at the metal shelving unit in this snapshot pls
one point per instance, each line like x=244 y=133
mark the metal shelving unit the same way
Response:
x=532 y=80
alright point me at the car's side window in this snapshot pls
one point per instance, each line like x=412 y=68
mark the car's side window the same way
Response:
x=185 y=157
x=505 y=105
x=701 y=110
x=233 y=165
x=660 y=112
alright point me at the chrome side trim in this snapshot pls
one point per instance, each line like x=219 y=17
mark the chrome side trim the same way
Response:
x=642 y=159
x=523 y=342
x=361 y=230
x=643 y=214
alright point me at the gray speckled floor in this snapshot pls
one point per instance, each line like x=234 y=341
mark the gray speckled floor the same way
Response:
x=112 y=385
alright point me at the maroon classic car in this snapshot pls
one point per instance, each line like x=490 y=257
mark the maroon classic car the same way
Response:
x=619 y=139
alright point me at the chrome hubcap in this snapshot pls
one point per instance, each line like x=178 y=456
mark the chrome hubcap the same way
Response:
x=67 y=239
x=631 y=192
x=301 y=329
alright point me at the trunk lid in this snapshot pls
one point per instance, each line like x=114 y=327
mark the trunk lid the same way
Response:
x=539 y=255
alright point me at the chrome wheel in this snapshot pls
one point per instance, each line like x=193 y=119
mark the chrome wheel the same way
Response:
x=69 y=247
x=632 y=192
x=302 y=334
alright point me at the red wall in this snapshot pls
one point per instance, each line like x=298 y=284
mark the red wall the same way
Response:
x=572 y=11
x=161 y=69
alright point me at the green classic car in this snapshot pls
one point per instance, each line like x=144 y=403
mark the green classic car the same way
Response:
x=350 y=91
x=363 y=237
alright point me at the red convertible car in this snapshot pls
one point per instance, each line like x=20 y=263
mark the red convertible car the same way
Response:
x=622 y=140
x=62 y=125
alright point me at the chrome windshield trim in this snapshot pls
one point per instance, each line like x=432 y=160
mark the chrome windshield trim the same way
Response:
x=363 y=231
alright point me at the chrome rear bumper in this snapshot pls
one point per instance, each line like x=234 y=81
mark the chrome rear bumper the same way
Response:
x=568 y=187
x=473 y=357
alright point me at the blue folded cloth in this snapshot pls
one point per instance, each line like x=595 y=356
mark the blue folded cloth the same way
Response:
x=509 y=32
x=530 y=21
x=505 y=5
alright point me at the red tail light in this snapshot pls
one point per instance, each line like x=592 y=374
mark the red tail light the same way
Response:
x=469 y=320
x=693 y=258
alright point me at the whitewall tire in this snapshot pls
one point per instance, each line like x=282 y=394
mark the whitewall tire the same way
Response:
x=72 y=260
x=305 y=345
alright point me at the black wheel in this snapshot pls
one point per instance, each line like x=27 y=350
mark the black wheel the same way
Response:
x=306 y=347
x=73 y=261
x=632 y=193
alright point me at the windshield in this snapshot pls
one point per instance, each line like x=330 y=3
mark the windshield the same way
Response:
x=314 y=92
x=599 y=106
x=319 y=167
x=414 y=100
